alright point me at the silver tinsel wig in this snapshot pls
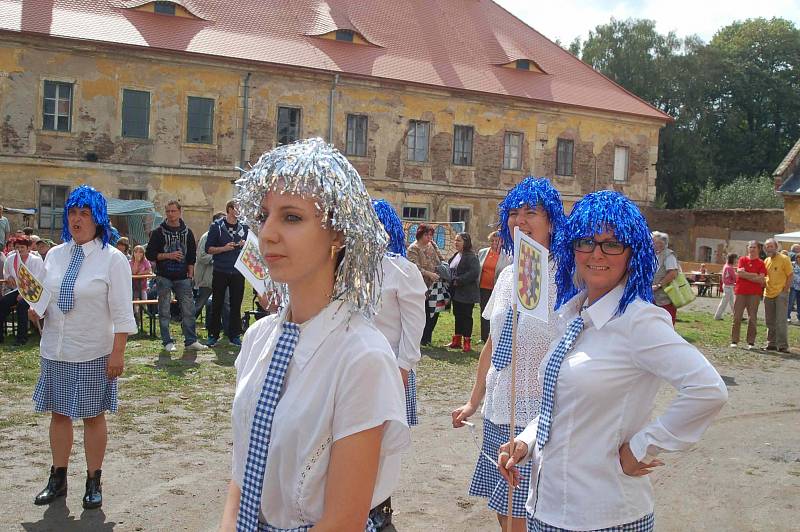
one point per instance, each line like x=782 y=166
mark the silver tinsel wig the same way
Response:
x=316 y=170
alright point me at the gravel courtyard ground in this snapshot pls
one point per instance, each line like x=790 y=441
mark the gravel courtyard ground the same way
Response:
x=168 y=459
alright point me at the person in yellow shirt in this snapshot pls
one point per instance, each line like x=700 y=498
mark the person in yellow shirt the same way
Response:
x=776 y=296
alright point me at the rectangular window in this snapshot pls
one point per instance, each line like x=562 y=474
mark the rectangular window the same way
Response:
x=129 y=194
x=512 y=151
x=418 y=134
x=462 y=145
x=344 y=35
x=564 y=157
x=460 y=214
x=200 y=120
x=621 y=154
x=356 y=135
x=288 y=125
x=57 y=106
x=135 y=114
x=411 y=212
x=165 y=8
x=51 y=206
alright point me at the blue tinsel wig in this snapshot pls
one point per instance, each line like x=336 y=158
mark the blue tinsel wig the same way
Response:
x=394 y=227
x=88 y=197
x=594 y=214
x=531 y=191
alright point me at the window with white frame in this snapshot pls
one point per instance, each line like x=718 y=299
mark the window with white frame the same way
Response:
x=356 y=135
x=621 y=159
x=415 y=212
x=417 y=141
x=57 y=106
x=462 y=145
x=512 y=151
x=51 y=206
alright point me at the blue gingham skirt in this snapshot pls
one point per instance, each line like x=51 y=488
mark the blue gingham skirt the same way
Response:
x=487 y=481
x=75 y=389
x=644 y=524
x=411 y=399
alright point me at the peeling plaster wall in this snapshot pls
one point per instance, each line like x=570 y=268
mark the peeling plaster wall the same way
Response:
x=199 y=175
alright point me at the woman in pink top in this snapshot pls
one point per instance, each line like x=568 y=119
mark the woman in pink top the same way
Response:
x=728 y=281
x=140 y=266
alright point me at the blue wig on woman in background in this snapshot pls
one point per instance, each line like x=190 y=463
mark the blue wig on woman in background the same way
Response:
x=393 y=225
x=88 y=197
x=597 y=213
x=533 y=192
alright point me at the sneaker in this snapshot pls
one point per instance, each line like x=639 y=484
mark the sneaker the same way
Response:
x=212 y=341
x=751 y=346
x=196 y=346
x=734 y=344
x=170 y=347
x=236 y=341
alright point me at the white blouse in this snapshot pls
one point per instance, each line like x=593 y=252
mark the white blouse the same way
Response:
x=102 y=308
x=401 y=317
x=33 y=263
x=533 y=341
x=342 y=379
x=604 y=397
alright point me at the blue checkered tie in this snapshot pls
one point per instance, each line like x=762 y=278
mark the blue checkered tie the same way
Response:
x=501 y=357
x=551 y=377
x=66 y=295
x=247 y=520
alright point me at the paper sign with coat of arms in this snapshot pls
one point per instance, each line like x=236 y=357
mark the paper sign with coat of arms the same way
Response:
x=251 y=264
x=32 y=290
x=530 y=276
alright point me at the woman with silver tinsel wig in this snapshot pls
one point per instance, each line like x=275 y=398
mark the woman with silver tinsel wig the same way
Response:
x=86 y=328
x=319 y=405
x=594 y=441
x=534 y=207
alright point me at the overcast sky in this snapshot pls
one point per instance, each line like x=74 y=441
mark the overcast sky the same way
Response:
x=567 y=19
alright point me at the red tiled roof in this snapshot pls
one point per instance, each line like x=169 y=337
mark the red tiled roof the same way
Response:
x=447 y=43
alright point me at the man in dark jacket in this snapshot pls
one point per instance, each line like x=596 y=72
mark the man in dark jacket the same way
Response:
x=225 y=240
x=173 y=250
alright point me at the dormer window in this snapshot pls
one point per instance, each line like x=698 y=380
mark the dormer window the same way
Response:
x=164 y=8
x=344 y=35
x=527 y=65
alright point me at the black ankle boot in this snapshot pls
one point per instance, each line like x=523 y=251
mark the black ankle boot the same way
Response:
x=381 y=515
x=93 y=498
x=56 y=486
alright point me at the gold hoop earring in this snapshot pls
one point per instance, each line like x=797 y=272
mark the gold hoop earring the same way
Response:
x=334 y=251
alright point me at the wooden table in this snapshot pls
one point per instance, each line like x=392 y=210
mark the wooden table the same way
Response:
x=140 y=304
x=712 y=281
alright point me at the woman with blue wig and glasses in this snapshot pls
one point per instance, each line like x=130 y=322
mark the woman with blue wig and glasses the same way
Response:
x=593 y=443
x=534 y=207
x=83 y=341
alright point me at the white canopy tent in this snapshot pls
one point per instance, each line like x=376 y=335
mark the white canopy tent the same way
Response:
x=792 y=238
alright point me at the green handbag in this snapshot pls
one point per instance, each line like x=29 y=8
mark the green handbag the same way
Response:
x=680 y=291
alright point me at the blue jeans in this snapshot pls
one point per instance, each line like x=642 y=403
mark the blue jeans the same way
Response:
x=183 y=293
x=794 y=303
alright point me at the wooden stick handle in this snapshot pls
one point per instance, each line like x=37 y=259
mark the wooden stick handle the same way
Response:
x=512 y=421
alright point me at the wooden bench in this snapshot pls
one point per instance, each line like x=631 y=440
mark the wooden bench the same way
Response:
x=139 y=306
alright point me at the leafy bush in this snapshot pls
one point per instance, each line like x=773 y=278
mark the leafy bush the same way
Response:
x=756 y=192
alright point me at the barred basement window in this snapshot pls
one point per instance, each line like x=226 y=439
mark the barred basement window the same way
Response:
x=415 y=213
x=51 y=206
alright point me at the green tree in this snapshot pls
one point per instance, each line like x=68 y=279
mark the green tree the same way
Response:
x=756 y=192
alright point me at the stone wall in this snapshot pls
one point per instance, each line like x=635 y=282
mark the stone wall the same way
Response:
x=723 y=231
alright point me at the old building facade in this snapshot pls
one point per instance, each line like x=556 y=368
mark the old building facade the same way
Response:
x=142 y=121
